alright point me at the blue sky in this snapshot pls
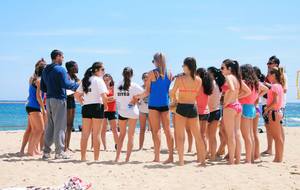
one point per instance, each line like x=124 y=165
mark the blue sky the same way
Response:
x=128 y=33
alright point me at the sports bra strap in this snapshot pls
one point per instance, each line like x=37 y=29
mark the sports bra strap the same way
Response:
x=187 y=90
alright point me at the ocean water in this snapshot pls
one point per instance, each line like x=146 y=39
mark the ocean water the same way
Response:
x=14 y=117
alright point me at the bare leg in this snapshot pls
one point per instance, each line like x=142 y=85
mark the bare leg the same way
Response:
x=103 y=133
x=223 y=139
x=25 y=137
x=122 y=125
x=154 y=118
x=180 y=125
x=37 y=123
x=165 y=117
x=246 y=129
x=256 y=150
x=174 y=127
x=113 y=125
x=97 y=126
x=131 y=130
x=237 y=133
x=70 y=121
x=269 y=139
x=85 y=133
x=190 y=139
x=203 y=131
x=276 y=132
x=143 y=119
x=229 y=126
x=193 y=124
x=212 y=128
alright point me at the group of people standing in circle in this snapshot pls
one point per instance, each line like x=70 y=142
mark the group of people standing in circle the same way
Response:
x=200 y=102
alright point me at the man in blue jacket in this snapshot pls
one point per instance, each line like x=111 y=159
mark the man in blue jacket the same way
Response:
x=54 y=82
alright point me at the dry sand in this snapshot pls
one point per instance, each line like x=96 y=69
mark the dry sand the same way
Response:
x=140 y=173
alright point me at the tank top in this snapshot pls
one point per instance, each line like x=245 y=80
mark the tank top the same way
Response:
x=111 y=106
x=32 y=100
x=159 y=91
x=202 y=102
x=250 y=99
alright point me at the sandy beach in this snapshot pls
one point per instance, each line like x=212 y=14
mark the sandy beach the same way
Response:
x=140 y=173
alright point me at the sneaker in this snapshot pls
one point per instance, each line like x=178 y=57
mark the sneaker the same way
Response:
x=46 y=156
x=62 y=155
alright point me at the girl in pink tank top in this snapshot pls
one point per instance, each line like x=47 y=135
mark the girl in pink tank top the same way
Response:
x=202 y=101
x=274 y=109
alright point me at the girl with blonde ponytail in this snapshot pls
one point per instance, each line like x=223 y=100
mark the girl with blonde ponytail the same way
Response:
x=157 y=88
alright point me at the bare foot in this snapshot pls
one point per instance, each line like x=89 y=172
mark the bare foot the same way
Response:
x=203 y=164
x=169 y=160
x=219 y=153
x=230 y=163
x=127 y=160
x=267 y=152
x=277 y=160
x=38 y=153
x=226 y=157
x=20 y=154
x=181 y=163
x=156 y=160
x=29 y=154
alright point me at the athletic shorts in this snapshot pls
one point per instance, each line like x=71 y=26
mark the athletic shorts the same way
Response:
x=30 y=109
x=249 y=111
x=187 y=110
x=203 y=117
x=110 y=115
x=122 y=118
x=93 y=111
x=71 y=102
x=266 y=118
x=214 y=116
x=147 y=114
x=159 y=109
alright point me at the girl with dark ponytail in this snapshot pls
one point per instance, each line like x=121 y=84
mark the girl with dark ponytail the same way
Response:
x=127 y=74
x=233 y=89
x=188 y=86
x=214 y=106
x=92 y=95
x=262 y=93
x=275 y=104
x=249 y=110
x=127 y=109
x=202 y=101
x=72 y=69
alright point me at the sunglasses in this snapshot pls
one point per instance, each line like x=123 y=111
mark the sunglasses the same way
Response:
x=270 y=63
